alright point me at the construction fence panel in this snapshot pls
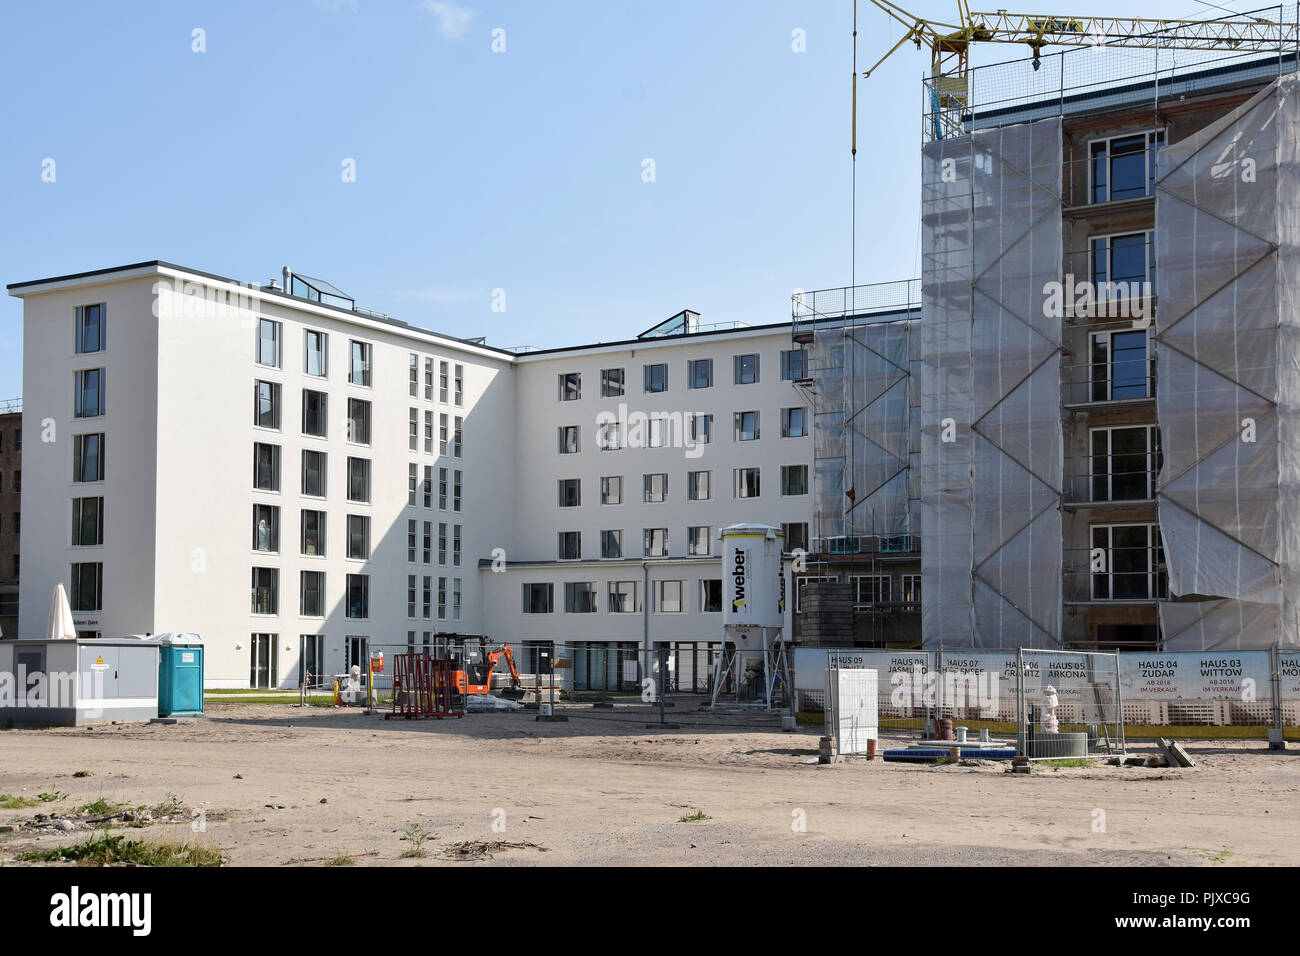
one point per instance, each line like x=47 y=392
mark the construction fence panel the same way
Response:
x=1068 y=704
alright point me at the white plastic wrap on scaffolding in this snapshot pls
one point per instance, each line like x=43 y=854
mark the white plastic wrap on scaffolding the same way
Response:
x=862 y=416
x=991 y=445
x=1228 y=374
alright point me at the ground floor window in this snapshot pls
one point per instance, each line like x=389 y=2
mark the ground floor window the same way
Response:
x=262 y=669
x=311 y=659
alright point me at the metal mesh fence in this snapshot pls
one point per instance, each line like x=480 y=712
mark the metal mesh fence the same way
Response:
x=1069 y=704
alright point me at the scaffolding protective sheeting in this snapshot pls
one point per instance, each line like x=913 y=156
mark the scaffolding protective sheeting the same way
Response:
x=863 y=428
x=1228 y=373
x=991 y=440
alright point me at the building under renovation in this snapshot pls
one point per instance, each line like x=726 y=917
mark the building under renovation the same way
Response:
x=1083 y=434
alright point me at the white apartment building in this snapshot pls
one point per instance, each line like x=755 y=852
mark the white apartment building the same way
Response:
x=298 y=479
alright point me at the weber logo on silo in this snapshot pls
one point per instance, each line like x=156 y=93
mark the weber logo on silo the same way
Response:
x=738 y=575
x=122 y=910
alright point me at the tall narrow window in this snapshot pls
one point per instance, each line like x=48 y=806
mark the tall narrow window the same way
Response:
x=359 y=367
x=358 y=591
x=266 y=528
x=459 y=396
x=87 y=521
x=359 y=479
x=268 y=343
x=87 y=586
x=312 y=588
x=442 y=383
x=90 y=328
x=266 y=591
x=88 y=457
x=313 y=473
x=315 y=409
x=315 y=359
x=266 y=398
x=266 y=467
x=358 y=421
x=359 y=537
x=413 y=386
x=89 y=390
x=313 y=533
x=570 y=386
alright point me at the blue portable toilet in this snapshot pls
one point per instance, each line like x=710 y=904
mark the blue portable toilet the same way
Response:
x=180 y=674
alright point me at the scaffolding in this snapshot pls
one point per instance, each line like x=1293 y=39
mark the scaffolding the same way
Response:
x=1228 y=362
x=991 y=443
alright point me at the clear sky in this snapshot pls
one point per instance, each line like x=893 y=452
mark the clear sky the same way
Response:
x=475 y=170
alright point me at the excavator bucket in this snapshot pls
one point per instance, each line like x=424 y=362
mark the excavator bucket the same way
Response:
x=512 y=693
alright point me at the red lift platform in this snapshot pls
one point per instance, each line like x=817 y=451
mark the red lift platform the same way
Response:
x=423 y=686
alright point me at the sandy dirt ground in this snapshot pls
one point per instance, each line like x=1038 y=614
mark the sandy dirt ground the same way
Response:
x=282 y=785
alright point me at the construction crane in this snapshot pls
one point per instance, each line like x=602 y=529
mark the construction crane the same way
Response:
x=949 y=43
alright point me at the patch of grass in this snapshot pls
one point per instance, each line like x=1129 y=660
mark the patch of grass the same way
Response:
x=416 y=835
x=107 y=850
x=100 y=807
x=168 y=806
x=1216 y=856
x=51 y=797
x=84 y=773
x=1056 y=763
x=341 y=860
x=9 y=801
x=697 y=817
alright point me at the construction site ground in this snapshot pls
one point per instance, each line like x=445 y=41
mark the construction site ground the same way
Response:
x=278 y=784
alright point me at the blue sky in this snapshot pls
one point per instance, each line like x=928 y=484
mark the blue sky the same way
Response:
x=475 y=170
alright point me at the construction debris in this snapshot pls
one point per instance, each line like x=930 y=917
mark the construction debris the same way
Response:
x=1175 y=753
x=483 y=850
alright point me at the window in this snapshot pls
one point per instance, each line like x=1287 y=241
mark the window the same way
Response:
x=89 y=392
x=442 y=382
x=699 y=485
x=312 y=594
x=656 y=378
x=313 y=473
x=711 y=595
x=442 y=599
x=794 y=422
x=698 y=539
x=746 y=369
x=608 y=434
x=570 y=490
x=455 y=599
x=570 y=545
x=456 y=437
x=428 y=486
x=442 y=489
x=358 y=421
x=796 y=536
x=611 y=490
x=455 y=491
x=1123 y=167
x=358 y=596
x=426 y=597
x=624 y=597
x=410 y=540
x=88 y=457
x=699 y=373
x=611 y=544
x=570 y=386
x=315 y=349
x=266 y=528
x=1123 y=265
x=313 y=533
x=268 y=343
x=87 y=521
x=660 y=432
x=568 y=439
x=655 y=488
x=794 y=479
x=1125 y=462
x=87 y=586
x=315 y=409
x=1122 y=366
x=455 y=546
x=746 y=482
x=359 y=537
x=538 y=598
x=1127 y=563
x=579 y=597
x=668 y=597
x=266 y=591
x=701 y=429
x=266 y=467
x=442 y=432
x=414 y=385
x=263 y=661
x=410 y=603
x=794 y=365
x=872 y=588
x=413 y=430
x=266 y=399
x=746 y=426
x=656 y=542
x=459 y=395
x=311 y=659
x=611 y=382
x=911 y=595
x=90 y=328
x=359 y=479
x=359 y=368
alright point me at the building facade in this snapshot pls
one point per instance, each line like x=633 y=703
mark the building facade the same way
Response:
x=298 y=479
x=11 y=488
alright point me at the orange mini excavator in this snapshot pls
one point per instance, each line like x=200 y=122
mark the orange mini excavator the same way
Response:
x=475 y=677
